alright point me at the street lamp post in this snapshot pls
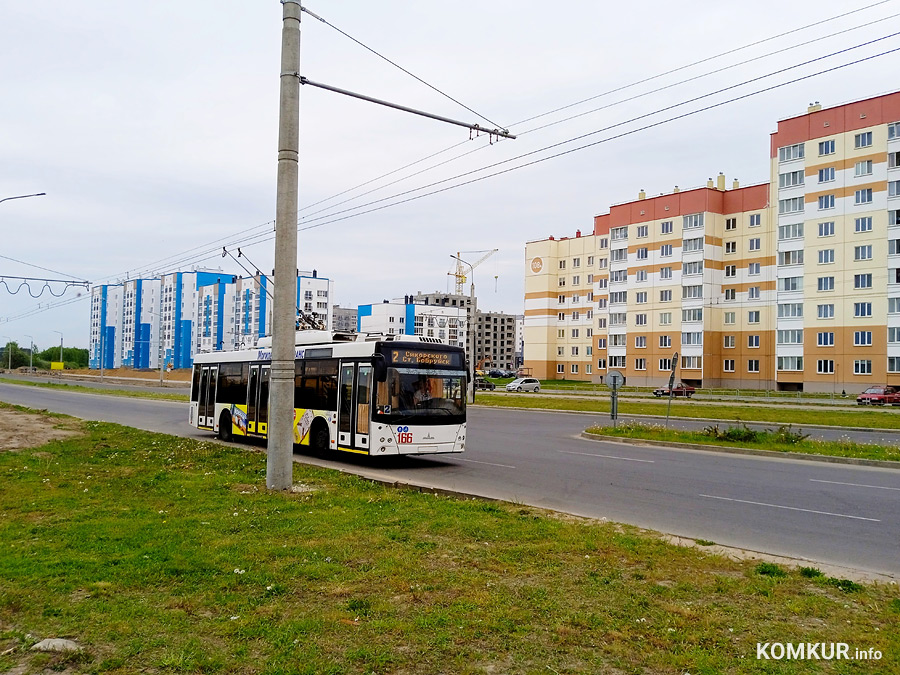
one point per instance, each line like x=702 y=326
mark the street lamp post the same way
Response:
x=60 y=345
x=472 y=322
x=30 y=353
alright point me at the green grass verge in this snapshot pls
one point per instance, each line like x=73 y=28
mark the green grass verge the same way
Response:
x=866 y=417
x=162 y=395
x=785 y=440
x=161 y=554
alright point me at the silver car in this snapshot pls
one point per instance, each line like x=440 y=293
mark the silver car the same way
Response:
x=524 y=384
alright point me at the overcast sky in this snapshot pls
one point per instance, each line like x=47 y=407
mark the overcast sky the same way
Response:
x=152 y=128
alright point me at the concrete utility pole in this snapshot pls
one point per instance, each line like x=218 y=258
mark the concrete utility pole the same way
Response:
x=280 y=448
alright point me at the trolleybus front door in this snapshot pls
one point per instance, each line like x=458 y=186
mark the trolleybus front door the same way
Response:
x=206 y=412
x=353 y=406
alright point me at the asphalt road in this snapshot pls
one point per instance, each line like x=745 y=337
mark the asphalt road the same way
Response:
x=826 y=513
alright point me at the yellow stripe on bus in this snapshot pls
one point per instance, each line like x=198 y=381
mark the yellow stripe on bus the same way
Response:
x=358 y=452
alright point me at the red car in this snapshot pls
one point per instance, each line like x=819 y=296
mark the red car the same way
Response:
x=879 y=396
x=679 y=389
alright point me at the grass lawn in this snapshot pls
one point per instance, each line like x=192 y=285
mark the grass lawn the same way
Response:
x=163 y=555
x=783 y=439
x=162 y=395
x=868 y=417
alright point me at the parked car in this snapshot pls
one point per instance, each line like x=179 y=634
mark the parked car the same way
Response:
x=481 y=383
x=679 y=389
x=495 y=373
x=879 y=396
x=524 y=384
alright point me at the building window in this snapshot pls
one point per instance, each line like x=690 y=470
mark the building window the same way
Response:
x=825 y=311
x=666 y=227
x=688 y=292
x=826 y=229
x=730 y=224
x=790 y=284
x=756 y=219
x=826 y=256
x=791 y=231
x=789 y=152
x=729 y=317
x=601 y=364
x=792 y=205
x=665 y=296
x=576 y=262
x=692 y=267
x=826 y=202
x=665 y=250
x=641 y=297
x=862 y=252
x=561 y=316
x=728 y=342
x=665 y=364
x=730 y=247
x=753 y=366
x=790 y=310
x=576 y=280
x=826 y=284
x=665 y=341
x=863 y=196
x=665 y=272
x=826 y=147
x=863 y=168
x=790 y=179
x=642 y=252
x=755 y=244
x=665 y=318
x=826 y=175
x=560 y=368
x=562 y=264
x=754 y=268
x=863 y=140
x=894 y=188
x=692 y=221
x=789 y=337
x=862 y=309
x=640 y=319
x=640 y=341
x=862 y=338
x=862 y=281
x=730 y=271
x=862 y=367
x=753 y=316
x=789 y=258
x=863 y=224
x=825 y=339
x=691 y=362
x=692 y=245
x=728 y=365
x=640 y=364
x=753 y=341
x=642 y=231
x=753 y=293
x=730 y=294
x=792 y=363
x=574 y=351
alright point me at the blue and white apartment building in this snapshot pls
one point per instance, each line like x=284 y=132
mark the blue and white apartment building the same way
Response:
x=145 y=323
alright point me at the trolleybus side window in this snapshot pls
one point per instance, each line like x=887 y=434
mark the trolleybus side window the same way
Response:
x=195 y=384
x=316 y=384
x=233 y=383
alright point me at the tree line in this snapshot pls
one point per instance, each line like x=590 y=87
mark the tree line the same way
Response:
x=12 y=356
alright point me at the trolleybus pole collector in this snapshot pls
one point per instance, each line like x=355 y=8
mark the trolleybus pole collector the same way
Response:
x=384 y=395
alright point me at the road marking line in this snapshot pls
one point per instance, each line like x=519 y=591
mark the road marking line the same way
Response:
x=475 y=461
x=590 y=454
x=791 y=508
x=837 y=482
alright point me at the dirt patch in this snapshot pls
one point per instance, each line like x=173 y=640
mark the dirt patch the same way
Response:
x=32 y=430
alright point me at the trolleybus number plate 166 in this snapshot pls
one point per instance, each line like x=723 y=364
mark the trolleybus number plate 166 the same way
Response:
x=404 y=435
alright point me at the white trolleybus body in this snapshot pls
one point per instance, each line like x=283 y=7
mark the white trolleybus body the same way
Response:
x=385 y=396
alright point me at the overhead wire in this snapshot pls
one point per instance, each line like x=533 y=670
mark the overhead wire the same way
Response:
x=416 y=77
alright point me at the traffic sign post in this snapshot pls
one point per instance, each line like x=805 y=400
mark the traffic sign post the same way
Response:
x=671 y=386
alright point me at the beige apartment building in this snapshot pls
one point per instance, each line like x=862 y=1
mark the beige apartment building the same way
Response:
x=790 y=285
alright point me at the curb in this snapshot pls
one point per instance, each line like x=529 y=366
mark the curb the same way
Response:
x=770 y=454
x=691 y=419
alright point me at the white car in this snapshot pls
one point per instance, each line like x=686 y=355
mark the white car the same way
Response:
x=524 y=384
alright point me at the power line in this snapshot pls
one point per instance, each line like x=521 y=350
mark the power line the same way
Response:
x=381 y=56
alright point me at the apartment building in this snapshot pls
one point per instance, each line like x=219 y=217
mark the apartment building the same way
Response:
x=146 y=323
x=790 y=285
x=404 y=316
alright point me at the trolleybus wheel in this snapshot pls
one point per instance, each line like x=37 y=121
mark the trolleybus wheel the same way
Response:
x=319 y=439
x=225 y=426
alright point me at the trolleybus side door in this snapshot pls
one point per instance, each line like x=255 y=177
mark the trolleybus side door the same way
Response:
x=354 y=394
x=206 y=409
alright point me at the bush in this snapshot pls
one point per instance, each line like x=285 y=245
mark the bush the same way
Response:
x=767 y=569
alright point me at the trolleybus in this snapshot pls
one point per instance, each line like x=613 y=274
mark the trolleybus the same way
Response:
x=375 y=396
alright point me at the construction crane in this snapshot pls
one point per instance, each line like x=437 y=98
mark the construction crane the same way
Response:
x=460 y=272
